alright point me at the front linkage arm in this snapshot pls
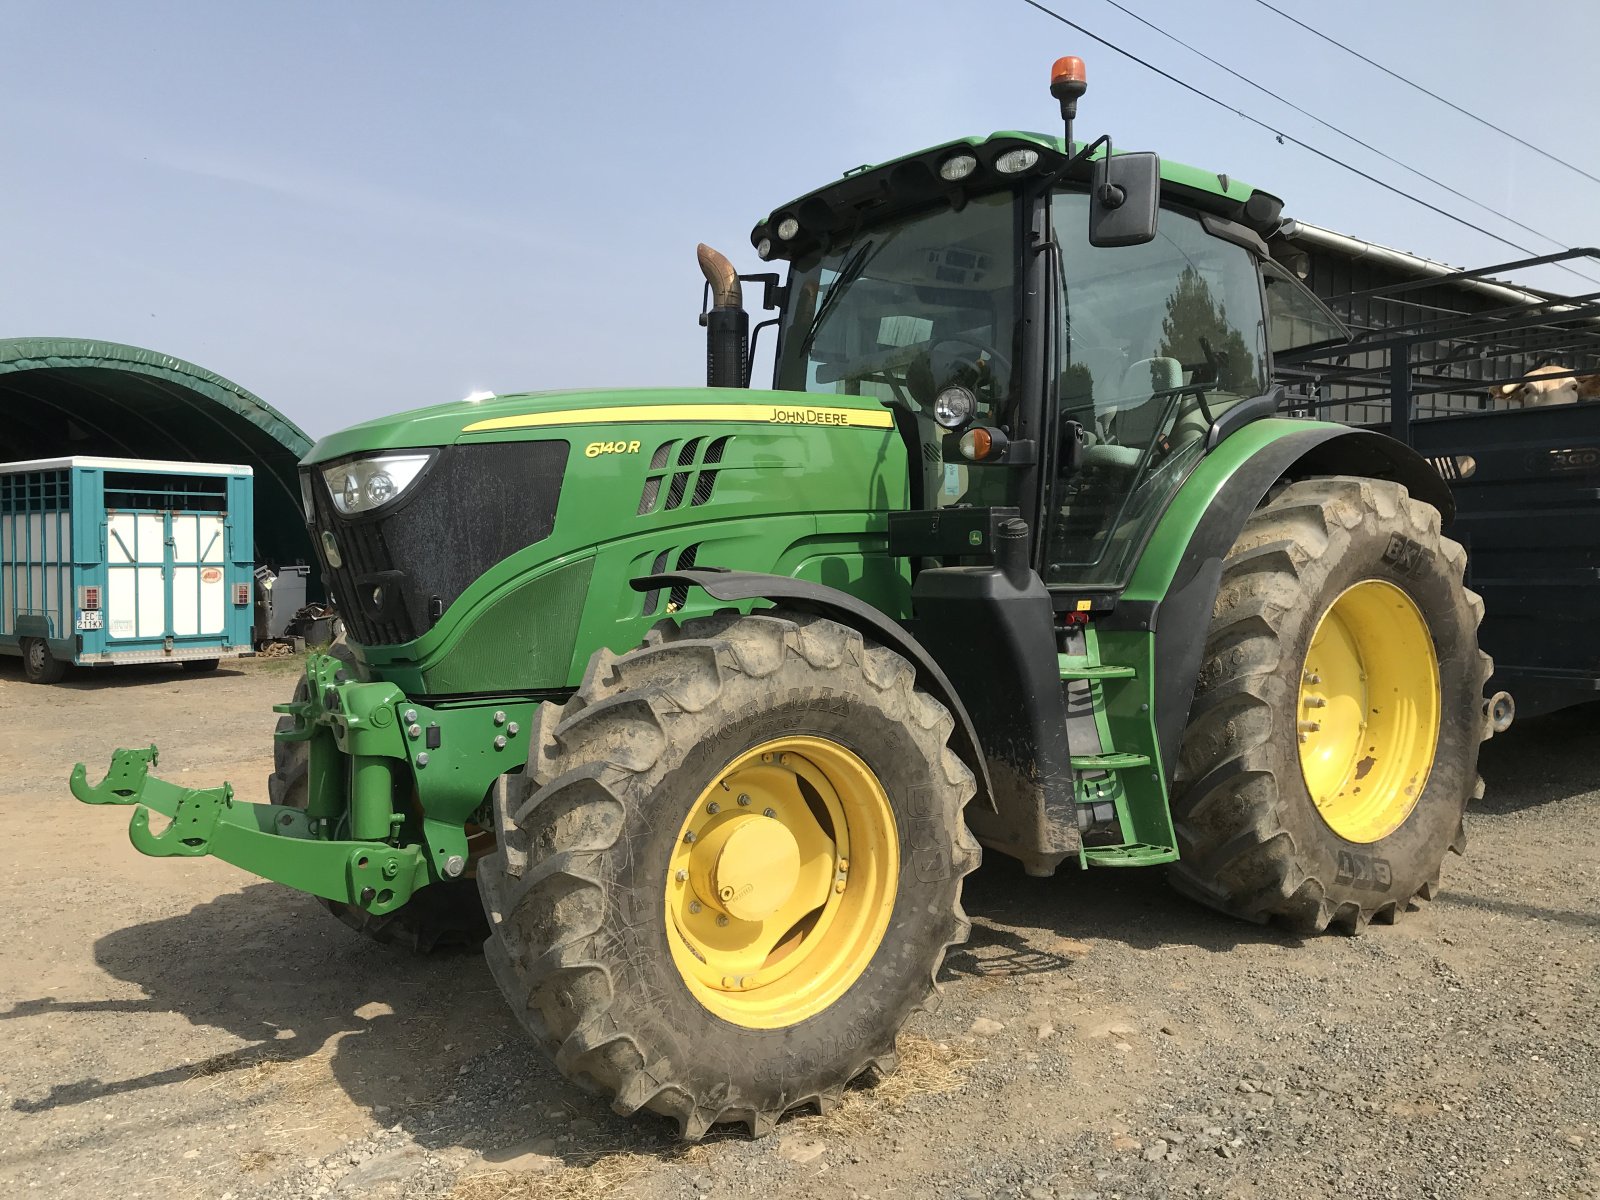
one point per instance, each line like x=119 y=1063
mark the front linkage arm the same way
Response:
x=265 y=839
x=363 y=738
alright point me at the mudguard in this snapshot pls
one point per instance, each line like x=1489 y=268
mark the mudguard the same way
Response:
x=823 y=601
x=1179 y=574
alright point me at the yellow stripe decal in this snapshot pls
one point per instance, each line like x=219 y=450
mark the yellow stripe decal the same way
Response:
x=764 y=414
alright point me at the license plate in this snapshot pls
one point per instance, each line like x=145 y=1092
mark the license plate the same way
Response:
x=89 y=618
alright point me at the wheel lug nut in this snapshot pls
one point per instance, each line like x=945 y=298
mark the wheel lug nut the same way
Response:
x=694 y=906
x=722 y=920
x=713 y=808
x=1313 y=677
x=689 y=837
x=844 y=864
x=839 y=887
x=744 y=800
x=1309 y=726
x=682 y=875
x=1316 y=702
x=769 y=812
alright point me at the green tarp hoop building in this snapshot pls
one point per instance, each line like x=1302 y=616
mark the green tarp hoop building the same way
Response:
x=66 y=396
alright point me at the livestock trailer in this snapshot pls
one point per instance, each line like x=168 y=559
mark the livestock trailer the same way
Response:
x=120 y=560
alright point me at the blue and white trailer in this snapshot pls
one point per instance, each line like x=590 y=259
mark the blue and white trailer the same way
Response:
x=122 y=560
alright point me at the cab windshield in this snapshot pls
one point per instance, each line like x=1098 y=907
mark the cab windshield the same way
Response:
x=906 y=309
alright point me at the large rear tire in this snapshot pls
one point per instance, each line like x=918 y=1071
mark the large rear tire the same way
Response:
x=733 y=870
x=1333 y=741
x=442 y=916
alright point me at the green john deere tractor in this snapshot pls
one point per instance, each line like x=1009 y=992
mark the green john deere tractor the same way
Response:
x=712 y=694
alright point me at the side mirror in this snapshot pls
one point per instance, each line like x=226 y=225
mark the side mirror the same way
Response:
x=1124 y=199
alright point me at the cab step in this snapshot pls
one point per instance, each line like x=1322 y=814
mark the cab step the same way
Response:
x=1109 y=762
x=1075 y=668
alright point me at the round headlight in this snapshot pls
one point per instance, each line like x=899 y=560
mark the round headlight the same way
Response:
x=788 y=229
x=954 y=407
x=764 y=249
x=1014 y=162
x=957 y=166
x=380 y=489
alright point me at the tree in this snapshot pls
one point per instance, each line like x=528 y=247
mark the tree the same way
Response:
x=1195 y=320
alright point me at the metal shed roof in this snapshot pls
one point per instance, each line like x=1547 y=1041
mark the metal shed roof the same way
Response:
x=77 y=396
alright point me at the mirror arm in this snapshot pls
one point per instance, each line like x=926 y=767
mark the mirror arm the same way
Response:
x=755 y=340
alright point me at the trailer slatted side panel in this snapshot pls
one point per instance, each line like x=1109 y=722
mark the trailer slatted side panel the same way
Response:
x=35 y=549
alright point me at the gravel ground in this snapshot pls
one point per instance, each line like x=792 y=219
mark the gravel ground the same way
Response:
x=177 y=1029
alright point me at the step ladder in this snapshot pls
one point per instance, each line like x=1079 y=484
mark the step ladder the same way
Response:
x=1120 y=784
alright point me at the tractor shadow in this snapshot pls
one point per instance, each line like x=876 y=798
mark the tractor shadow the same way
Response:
x=1024 y=926
x=425 y=1042
x=1019 y=923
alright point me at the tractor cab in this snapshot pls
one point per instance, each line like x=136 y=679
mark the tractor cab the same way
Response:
x=1034 y=369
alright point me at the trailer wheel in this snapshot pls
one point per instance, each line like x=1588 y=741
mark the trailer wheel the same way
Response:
x=444 y=915
x=38 y=664
x=733 y=870
x=1333 y=742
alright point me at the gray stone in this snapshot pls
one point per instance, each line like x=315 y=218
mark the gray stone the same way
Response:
x=390 y=1167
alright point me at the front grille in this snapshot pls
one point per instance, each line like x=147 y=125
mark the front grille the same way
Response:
x=474 y=506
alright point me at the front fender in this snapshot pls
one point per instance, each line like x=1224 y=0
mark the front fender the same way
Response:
x=1176 y=582
x=805 y=596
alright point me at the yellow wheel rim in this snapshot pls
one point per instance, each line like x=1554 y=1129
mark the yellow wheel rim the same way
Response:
x=782 y=881
x=1368 y=711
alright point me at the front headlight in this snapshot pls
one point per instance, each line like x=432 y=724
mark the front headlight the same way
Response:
x=366 y=484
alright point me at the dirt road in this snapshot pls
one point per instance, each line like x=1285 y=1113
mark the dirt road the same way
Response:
x=174 y=1028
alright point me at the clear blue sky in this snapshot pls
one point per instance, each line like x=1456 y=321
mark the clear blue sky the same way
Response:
x=355 y=208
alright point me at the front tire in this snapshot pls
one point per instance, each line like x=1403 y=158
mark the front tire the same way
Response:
x=674 y=914
x=1333 y=741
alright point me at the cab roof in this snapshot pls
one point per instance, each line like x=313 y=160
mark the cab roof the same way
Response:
x=876 y=192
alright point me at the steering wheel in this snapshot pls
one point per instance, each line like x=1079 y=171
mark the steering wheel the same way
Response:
x=943 y=362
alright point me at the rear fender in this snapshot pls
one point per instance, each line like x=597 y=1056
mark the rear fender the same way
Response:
x=1175 y=585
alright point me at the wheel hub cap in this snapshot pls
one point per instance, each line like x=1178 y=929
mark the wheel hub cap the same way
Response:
x=748 y=867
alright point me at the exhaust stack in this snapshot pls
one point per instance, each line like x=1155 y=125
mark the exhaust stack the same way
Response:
x=727 y=324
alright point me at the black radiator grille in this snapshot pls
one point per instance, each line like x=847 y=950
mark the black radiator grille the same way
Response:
x=473 y=507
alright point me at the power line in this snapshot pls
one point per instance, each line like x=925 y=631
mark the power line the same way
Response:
x=1435 y=95
x=1278 y=133
x=1266 y=91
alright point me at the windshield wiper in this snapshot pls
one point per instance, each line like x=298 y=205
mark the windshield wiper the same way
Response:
x=849 y=271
